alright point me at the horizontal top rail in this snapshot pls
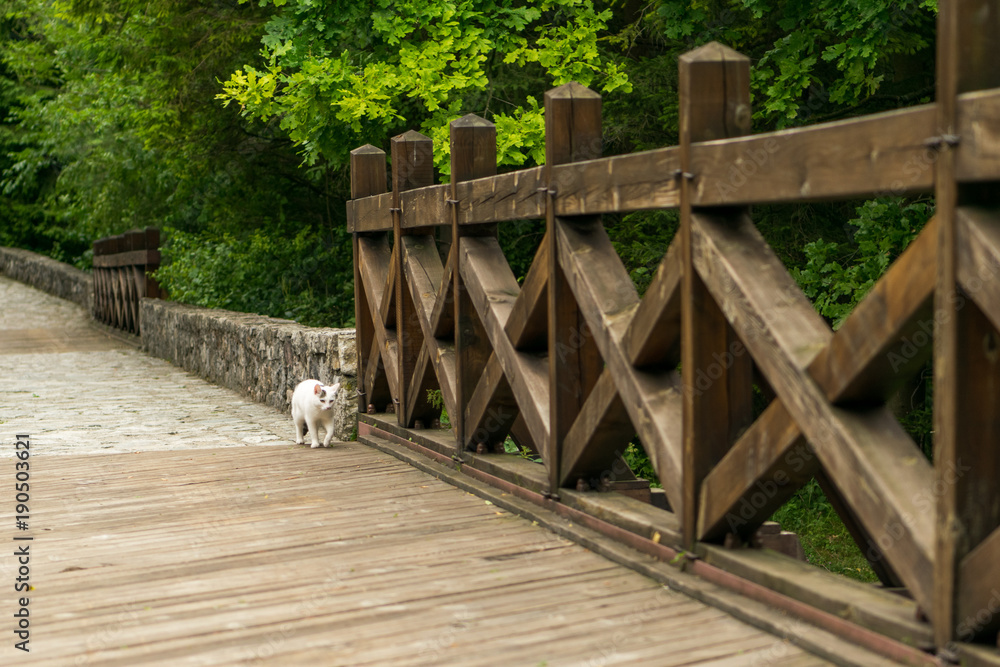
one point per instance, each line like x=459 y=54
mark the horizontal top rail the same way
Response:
x=891 y=153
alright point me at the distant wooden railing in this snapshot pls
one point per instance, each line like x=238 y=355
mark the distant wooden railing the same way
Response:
x=573 y=363
x=122 y=268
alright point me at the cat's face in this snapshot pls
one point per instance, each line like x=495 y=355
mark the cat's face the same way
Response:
x=326 y=394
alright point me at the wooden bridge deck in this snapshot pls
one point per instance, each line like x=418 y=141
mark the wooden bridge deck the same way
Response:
x=290 y=556
x=173 y=523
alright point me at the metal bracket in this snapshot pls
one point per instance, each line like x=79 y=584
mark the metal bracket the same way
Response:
x=679 y=174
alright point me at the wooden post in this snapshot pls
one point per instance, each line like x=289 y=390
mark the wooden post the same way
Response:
x=150 y=287
x=473 y=155
x=966 y=366
x=412 y=167
x=572 y=134
x=368 y=177
x=714 y=88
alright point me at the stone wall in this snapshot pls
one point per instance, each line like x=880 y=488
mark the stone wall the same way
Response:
x=48 y=275
x=261 y=357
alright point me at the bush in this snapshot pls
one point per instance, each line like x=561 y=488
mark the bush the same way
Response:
x=303 y=278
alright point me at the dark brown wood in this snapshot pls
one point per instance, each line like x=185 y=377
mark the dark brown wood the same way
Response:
x=978 y=240
x=866 y=452
x=877 y=155
x=889 y=331
x=714 y=89
x=412 y=167
x=128 y=258
x=123 y=266
x=608 y=300
x=493 y=290
x=572 y=134
x=377 y=271
x=966 y=372
x=607 y=368
x=473 y=155
x=598 y=437
x=435 y=367
x=654 y=335
x=368 y=177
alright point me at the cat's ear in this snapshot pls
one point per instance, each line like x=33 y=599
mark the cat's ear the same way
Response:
x=317 y=389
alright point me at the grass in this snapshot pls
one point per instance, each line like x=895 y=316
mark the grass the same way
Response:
x=825 y=539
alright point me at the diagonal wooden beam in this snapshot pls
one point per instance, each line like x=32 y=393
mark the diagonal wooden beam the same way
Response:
x=884 y=338
x=377 y=276
x=442 y=318
x=608 y=300
x=978 y=240
x=436 y=359
x=654 y=335
x=599 y=435
x=493 y=290
x=528 y=322
x=978 y=600
x=493 y=407
x=865 y=452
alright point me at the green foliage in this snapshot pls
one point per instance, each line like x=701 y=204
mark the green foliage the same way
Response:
x=811 y=56
x=637 y=459
x=259 y=274
x=338 y=77
x=837 y=276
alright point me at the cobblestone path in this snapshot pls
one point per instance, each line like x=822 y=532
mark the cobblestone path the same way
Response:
x=77 y=391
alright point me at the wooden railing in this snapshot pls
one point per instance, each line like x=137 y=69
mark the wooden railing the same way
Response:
x=572 y=363
x=122 y=268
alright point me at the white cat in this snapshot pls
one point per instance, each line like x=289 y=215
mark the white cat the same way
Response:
x=312 y=407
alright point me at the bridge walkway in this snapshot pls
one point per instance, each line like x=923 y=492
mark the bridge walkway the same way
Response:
x=174 y=523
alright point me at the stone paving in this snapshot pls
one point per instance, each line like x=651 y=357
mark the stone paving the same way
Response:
x=101 y=395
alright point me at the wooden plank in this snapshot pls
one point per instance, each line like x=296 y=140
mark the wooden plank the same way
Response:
x=978 y=240
x=608 y=301
x=493 y=290
x=370 y=214
x=978 y=599
x=714 y=89
x=493 y=404
x=598 y=436
x=491 y=410
x=368 y=177
x=376 y=269
x=412 y=167
x=516 y=195
x=866 y=453
x=572 y=134
x=443 y=315
x=886 y=336
x=654 y=335
x=390 y=589
x=863 y=157
x=527 y=326
x=130 y=258
x=473 y=155
x=756 y=477
x=965 y=368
